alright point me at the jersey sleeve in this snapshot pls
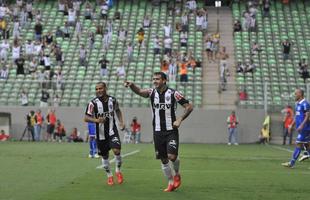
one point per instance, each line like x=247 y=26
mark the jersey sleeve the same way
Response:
x=150 y=91
x=90 y=109
x=306 y=107
x=180 y=98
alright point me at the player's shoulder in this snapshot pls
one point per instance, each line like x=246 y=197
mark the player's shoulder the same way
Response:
x=94 y=100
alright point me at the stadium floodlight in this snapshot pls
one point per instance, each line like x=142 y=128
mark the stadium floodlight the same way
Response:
x=218 y=4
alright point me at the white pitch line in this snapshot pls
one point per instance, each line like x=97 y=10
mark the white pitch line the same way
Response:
x=123 y=156
x=281 y=148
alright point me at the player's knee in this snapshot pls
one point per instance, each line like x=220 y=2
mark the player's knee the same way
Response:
x=116 y=152
x=105 y=157
x=172 y=157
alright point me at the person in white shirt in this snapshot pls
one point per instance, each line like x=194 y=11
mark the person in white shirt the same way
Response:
x=122 y=34
x=29 y=49
x=121 y=71
x=33 y=66
x=47 y=62
x=168 y=45
x=4 y=49
x=77 y=7
x=83 y=54
x=29 y=10
x=167 y=30
x=146 y=22
x=4 y=72
x=37 y=48
x=191 y=5
x=199 y=21
x=3 y=11
x=61 y=6
x=78 y=30
x=172 y=72
x=24 y=98
x=16 y=30
x=183 y=39
x=71 y=17
x=104 y=11
x=106 y=40
x=16 y=51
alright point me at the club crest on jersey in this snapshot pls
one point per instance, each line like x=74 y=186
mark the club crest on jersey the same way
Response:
x=162 y=106
x=168 y=98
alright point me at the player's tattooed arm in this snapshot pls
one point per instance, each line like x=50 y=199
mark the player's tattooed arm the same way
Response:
x=142 y=92
x=188 y=108
x=88 y=118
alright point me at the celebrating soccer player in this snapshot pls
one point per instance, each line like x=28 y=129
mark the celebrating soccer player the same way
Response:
x=101 y=110
x=165 y=124
x=302 y=123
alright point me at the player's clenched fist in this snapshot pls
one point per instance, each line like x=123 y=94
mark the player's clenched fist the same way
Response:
x=127 y=84
x=100 y=120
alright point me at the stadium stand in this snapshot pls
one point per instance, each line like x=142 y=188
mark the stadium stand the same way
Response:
x=286 y=21
x=78 y=80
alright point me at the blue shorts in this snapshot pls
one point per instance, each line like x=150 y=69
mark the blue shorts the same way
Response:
x=92 y=129
x=303 y=137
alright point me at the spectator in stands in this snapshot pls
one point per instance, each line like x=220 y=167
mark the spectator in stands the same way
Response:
x=3 y=136
x=24 y=98
x=103 y=66
x=71 y=17
x=130 y=50
x=59 y=56
x=88 y=12
x=173 y=71
x=255 y=48
x=58 y=32
x=168 y=45
x=303 y=70
x=241 y=68
x=266 y=8
x=223 y=56
x=106 y=40
x=140 y=36
x=287 y=123
x=120 y=71
x=4 y=49
x=243 y=95
x=38 y=125
x=60 y=131
x=191 y=5
x=167 y=30
x=183 y=72
x=77 y=7
x=61 y=6
x=47 y=62
x=237 y=26
x=146 y=22
x=117 y=15
x=83 y=55
x=44 y=98
x=38 y=16
x=48 y=39
x=104 y=10
x=135 y=130
x=75 y=136
x=184 y=20
x=122 y=34
x=232 y=122
x=51 y=123
x=200 y=20
x=215 y=45
x=38 y=30
x=16 y=29
x=3 y=25
x=164 y=66
x=286 y=44
x=91 y=39
x=209 y=46
x=29 y=50
x=56 y=101
x=66 y=30
x=16 y=51
x=251 y=67
x=156 y=45
x=4 y=72
x=20 y=65
x=183 y=38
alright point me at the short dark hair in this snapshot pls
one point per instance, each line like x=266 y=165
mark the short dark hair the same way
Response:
x=161 y=74
x=102 y=83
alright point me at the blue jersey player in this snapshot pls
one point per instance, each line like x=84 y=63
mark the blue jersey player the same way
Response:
x=92 y=140
x=302 y=123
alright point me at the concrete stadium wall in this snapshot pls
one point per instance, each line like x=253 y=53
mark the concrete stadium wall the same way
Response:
x=203 y=126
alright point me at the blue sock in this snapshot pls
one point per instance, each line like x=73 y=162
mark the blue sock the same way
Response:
x=90 y=147
x=95 y=147
x=295 y=155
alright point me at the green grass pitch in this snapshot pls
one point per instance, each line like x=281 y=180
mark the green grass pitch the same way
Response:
x=36 y=171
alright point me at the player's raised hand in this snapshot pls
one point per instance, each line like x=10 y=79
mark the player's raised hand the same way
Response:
x=127 y=83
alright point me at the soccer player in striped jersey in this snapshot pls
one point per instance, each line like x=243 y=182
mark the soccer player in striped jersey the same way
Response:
x=102 y=110
x=302 y=109
x=165 y=124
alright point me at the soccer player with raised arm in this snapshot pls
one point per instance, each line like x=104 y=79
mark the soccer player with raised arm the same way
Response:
x=165 y=124
x=102 y=110
x=302 y=123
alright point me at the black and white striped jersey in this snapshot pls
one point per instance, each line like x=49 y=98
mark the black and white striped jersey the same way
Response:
x=98 y=108
x=164 y=108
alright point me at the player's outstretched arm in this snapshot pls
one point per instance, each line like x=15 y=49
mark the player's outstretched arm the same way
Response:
x=142 y=92
x=188 y=108
x=94 y=120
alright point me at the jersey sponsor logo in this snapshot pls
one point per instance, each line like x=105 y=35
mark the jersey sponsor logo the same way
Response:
x=105 y=114
x=162 y=106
